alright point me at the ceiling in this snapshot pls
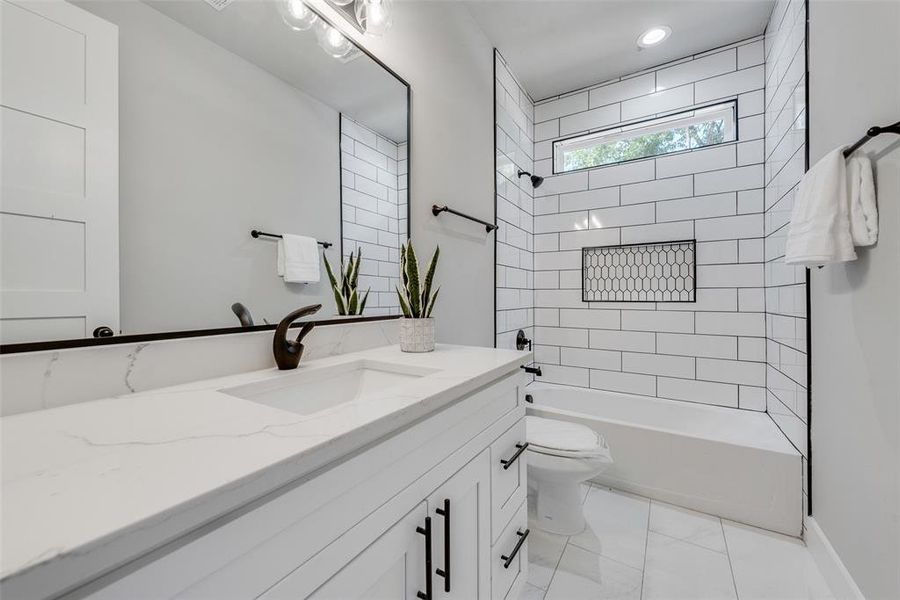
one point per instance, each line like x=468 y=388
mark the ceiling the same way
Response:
x=556 y=46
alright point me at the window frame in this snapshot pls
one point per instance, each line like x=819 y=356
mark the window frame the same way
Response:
x=622 y=129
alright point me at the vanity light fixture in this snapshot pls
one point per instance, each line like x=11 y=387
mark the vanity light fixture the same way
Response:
x=332 y=41
x=296 y=14
x=374 y=16
x=536 y=180
x=654 y=36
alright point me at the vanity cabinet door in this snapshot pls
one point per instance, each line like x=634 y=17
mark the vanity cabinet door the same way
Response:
x=460 y=513
x=391 y=568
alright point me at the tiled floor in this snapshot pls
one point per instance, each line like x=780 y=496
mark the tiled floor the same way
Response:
x=637 y=549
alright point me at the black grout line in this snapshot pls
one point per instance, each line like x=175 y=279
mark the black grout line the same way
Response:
x=655 y=70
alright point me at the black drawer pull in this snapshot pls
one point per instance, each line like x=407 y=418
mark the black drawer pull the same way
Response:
x=426 y=531
x=445 y=572
x=507 y=560
x=520 y=449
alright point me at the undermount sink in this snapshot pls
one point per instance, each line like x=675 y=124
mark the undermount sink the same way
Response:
x=308 y=392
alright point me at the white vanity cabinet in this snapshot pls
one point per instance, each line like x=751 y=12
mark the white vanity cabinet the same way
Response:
x=377 y=525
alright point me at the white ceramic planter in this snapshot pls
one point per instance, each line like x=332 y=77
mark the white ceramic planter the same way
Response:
x=417 y=335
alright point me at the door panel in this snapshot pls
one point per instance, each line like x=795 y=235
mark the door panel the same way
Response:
x=59 y=196
x=391 y=568
x=467 y=495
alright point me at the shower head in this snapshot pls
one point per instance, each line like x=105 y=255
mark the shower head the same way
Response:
x=536 y=180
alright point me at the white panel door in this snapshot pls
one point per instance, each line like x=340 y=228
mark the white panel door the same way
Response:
x=461 y=520
x=391 y=568
x=59 y=164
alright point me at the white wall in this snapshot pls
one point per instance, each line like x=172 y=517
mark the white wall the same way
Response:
x=197 y=173
x=786 y=358
x=442 y=53
x=371 y=212
x=711 y=351
x=515 y=208
x=854 y=63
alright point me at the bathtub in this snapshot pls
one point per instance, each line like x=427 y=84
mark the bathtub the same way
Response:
x=727 y=462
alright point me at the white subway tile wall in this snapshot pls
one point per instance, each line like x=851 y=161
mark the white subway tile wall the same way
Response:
x=374 y=210
x=516 y=208
x=785 y=162
x=711 y=351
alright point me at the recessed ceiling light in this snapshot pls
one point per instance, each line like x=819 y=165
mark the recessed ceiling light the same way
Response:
x=654 y=36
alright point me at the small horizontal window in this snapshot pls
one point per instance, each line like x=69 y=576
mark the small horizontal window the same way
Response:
x=678 y=132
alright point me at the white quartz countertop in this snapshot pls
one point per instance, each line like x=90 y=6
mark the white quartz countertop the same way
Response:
x=90 y=486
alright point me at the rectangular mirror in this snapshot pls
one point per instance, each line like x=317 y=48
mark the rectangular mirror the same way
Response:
x=144 y=140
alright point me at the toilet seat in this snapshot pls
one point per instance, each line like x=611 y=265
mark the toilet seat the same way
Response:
x=564 y=439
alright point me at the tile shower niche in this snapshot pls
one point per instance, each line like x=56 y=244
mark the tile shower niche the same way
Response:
x=661 y=272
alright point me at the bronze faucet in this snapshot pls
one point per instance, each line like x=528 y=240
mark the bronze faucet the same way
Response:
x=288 y=352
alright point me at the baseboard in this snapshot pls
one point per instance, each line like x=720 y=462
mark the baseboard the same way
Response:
x=833 y=570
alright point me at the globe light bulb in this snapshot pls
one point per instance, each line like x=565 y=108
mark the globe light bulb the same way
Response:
x=296 y=14
x=332 y=41
x=374 y=16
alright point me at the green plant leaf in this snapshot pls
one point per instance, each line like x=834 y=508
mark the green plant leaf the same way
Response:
x=329 y=271
x=355 y=276
x=429 y=276
x=403 y=278
x=352 y=304
x=345 y=277
x=412 y=288
x=362 y=304
x=404 y=305
x=336 y=290
x=431 y=303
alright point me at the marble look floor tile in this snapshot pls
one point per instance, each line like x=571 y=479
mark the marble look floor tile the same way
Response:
x=687 y=525
x=544 y=551
x=676 y=570
x=530 y=592
x=615 y=526
x=583 y=574
x=771 y=566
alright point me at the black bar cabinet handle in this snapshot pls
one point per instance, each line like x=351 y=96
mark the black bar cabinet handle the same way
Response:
x=426 y=531
x=507 y=560
x=507 y=463
x=445 y=572
x=532 y=370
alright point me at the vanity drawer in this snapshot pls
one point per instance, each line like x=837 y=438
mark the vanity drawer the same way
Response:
x=508 y=476
x=509 y=556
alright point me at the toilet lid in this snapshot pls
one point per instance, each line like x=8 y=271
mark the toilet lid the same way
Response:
x=557 y=437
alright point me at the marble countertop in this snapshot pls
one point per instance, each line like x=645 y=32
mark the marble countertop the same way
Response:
x=90 y=486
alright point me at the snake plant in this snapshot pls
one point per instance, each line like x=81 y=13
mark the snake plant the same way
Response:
x=346 y=296
x=416 y=296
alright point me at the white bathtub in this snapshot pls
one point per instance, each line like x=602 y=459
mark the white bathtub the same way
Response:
x=731 y=463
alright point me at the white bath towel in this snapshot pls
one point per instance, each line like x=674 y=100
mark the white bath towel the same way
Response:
x=298 y=259
x=832 y=212
x=863 y=209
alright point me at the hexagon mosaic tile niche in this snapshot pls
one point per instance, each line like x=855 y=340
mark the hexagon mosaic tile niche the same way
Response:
x=661 y=272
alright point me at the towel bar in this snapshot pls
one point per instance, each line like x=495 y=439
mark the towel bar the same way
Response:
x=436 y=210
x=256 y=233
x=872 y=132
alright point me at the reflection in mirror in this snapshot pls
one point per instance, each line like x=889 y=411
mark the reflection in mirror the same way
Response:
x=137 y=159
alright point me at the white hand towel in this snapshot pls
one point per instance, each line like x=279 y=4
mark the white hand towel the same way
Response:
x=863 y=210
x=819 y=231
x=298 y=259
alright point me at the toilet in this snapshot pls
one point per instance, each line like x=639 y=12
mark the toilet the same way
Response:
x=561 y=456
